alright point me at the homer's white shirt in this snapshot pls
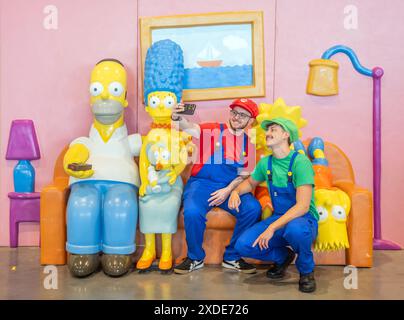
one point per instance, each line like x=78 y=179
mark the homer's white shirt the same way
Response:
x=112 y=160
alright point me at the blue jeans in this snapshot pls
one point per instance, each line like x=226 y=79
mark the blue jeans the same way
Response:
x=102 y=216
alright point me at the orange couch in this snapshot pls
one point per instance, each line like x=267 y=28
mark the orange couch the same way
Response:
x=220 y=224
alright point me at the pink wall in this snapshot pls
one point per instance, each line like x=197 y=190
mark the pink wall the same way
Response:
x=44 y=77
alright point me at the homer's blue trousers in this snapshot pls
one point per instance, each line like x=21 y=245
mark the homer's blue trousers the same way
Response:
x=196 y=206
x=101 y=216
x=298 y=233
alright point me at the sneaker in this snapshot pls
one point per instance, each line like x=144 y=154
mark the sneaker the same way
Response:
x=317 y=144
x=277 y=271
x=307 y=283
x=239 y=265
x=188 y=265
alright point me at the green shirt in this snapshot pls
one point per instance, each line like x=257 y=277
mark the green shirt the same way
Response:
x=302 y=170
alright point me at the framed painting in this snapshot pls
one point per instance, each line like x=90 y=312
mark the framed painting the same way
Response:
x=223 y=52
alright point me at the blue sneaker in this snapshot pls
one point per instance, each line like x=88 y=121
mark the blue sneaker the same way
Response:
x=299 y=147
x=317 y=144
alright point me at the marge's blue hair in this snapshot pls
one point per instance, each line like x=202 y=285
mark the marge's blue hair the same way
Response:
x=164 y=69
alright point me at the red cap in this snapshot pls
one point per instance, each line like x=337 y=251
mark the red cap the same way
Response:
x=246 y=104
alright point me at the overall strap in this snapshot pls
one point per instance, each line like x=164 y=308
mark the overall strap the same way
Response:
x=221 y=141
x=221 y=128
x=245 y=145
x=269 y=170
x=269 y=174
x=292 y=161
x=244 y=150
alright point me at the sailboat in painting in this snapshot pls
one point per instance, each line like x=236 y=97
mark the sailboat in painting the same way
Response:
x=209 y=57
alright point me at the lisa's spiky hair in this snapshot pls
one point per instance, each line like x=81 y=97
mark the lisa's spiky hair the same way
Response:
x=164 y=69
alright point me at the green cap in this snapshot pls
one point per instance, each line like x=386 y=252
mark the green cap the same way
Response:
x=287 y=125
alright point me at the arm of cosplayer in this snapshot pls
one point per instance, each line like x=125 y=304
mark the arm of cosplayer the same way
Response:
x=191 y=128
x=220 y=196
x=246 y=186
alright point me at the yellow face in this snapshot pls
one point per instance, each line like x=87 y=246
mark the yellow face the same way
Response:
x=160 y=156
x=333 y=207
x=108 y=82
x=160 y=104
x=166 y=148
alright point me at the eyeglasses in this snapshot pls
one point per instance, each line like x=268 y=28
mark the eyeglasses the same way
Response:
x=241 y=115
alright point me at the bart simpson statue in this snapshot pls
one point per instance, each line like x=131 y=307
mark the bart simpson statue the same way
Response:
x=104 y=179
x=164 y=153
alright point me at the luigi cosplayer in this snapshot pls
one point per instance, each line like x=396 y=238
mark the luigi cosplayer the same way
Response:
x=290 y=179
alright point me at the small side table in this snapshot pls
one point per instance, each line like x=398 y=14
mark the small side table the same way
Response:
x=24 y=207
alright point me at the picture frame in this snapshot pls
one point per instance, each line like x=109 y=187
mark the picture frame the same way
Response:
x=223 y=52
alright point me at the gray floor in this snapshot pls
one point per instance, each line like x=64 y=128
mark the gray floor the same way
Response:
x=21 y=277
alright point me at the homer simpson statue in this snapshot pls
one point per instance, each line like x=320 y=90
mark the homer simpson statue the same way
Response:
x=102 y=209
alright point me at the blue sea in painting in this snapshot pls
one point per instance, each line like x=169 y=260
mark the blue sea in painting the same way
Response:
x=218 y=77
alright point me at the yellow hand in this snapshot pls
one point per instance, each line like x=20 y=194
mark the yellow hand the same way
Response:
x=142 y=189
x=143 y=165
x=173 y=177
x=77 y=153
x=80 y=174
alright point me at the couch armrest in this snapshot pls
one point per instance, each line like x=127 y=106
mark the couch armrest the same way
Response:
x=53 y=223
x=360 y=224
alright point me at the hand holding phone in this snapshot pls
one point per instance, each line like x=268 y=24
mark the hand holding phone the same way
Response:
x=189 y=109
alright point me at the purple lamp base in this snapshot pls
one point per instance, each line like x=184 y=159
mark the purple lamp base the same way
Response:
x=379 y=244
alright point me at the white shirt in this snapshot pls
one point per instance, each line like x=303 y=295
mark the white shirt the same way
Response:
x=112 y=160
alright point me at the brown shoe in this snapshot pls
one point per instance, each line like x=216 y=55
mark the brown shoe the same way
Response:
x=116 y=265
x=82 y=265
x=278 y=271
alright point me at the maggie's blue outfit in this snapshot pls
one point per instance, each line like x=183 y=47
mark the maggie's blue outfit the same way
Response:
x=198 y=189
x=298 y=233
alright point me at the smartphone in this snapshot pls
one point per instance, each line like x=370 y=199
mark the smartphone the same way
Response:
x=189 y=109
x=79 y=166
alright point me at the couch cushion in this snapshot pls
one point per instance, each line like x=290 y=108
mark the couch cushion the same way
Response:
x=217 y=219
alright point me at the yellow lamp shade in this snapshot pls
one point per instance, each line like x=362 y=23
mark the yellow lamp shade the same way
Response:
x=323 y=78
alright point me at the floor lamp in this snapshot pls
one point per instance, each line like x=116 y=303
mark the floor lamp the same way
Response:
x=323 y=81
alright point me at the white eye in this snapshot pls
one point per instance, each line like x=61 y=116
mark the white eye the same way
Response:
x=154 y=102
x=156 y=155
x=165 y=155
x=323 y=213
x=338 y=213
x=96 y=89
x=115 y=88
x=169 y=102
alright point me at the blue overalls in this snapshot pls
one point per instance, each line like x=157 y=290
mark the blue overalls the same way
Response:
x=198 y=190
x=298 y=233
